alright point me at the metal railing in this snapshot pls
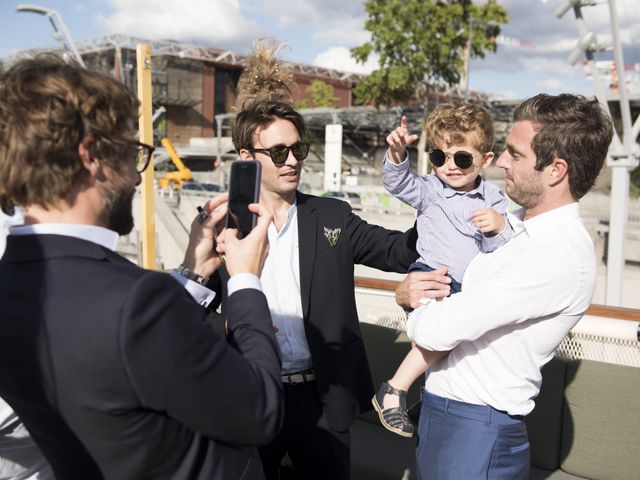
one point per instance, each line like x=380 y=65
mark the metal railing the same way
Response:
x=605 y=334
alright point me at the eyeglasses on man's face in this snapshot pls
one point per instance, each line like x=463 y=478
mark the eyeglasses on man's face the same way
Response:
x=144 y=153
x=462 y=159
x=280 y=153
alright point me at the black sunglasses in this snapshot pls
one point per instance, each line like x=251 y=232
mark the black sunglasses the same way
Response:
x=144 y=153
x=280 y=153
x=461 y=158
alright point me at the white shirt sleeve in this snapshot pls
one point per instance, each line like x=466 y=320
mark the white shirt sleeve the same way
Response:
x=242 y=281
x=200 y=293
x=537 y=284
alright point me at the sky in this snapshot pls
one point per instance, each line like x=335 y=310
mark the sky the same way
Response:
x=321 y=32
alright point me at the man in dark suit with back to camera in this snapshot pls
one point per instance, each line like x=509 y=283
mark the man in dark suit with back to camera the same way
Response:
x=314 y=243
x=112 y=368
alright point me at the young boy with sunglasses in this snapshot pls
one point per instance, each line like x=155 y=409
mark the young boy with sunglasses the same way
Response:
x=459 y=216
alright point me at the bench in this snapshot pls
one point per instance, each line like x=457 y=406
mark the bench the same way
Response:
x=586 y=423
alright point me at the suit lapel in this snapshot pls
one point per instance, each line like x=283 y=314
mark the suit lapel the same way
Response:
x=307 y=237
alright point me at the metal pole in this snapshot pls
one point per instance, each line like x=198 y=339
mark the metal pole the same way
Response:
x=64 y=36
x=619 y=178
x=219 y=138
x=583 y=31
x=71 y=45
x=464 y=84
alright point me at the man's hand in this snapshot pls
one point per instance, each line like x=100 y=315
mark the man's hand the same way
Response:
x=246 y=255
x=201 y=256
x=419 y=285
x=488 y=221
x=398 y=140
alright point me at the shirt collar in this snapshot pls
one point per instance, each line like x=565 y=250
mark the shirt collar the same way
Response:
x=92 y=233
x=449 y=192
x=291 y=214
x=546 y=221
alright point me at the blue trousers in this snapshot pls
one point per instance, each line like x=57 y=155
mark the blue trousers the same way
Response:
x=459 y=440
x=423 y=267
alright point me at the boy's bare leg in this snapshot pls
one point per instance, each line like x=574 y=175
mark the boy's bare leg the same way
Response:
x=413 y=365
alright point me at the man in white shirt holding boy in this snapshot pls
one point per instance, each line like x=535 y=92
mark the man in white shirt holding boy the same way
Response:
x=517 y=303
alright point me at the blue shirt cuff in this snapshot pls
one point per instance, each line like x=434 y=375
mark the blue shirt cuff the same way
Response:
x=388 y=164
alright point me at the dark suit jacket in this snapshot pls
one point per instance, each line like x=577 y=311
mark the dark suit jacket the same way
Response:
x=328 y=301
x=117 y=376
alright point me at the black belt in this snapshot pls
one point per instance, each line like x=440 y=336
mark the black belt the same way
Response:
x=299 y=377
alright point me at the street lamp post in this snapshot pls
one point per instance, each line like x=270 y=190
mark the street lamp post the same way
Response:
x=623 y=154
x=622 y=162
x=60 y=31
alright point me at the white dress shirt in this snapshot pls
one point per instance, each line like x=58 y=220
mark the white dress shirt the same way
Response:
x=281 y=285
x=516 y=305
x=6 y=222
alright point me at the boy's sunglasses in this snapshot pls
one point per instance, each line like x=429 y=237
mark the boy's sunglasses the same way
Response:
x=280 y=153
x=461 y=158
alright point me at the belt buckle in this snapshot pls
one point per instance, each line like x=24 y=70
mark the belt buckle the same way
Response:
x=289 y=379
x=294 y=382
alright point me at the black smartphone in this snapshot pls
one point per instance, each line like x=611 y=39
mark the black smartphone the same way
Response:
x=244 y=188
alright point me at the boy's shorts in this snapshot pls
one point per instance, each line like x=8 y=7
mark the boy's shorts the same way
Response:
x=456 y=286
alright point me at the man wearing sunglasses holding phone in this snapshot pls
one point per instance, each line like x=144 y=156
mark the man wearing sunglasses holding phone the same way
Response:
x=308 y=279
x=517 y=303
x=459 y=216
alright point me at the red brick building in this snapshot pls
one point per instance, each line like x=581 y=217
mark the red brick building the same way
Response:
x=195 y=83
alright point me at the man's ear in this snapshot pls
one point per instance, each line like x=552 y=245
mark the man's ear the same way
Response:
x=246 y=154
x=487 y=158
x=86 y=152
x=558 y=170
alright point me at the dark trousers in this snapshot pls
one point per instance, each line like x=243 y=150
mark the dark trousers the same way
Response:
x=459 y=440
x=456 y=286
x=315 y=451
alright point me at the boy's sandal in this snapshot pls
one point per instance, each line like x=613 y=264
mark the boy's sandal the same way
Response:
x=394 y=419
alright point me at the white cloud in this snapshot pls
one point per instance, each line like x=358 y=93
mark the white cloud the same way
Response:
x=340 y=58
x=311 y=12
x=347 y=31
x=218 y=22
x=506 y=95
x=552 y=85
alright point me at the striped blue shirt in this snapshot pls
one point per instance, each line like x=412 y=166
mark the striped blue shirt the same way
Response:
x=446 y=235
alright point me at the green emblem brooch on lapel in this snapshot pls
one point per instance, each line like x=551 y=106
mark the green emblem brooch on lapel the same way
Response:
x=332 y=235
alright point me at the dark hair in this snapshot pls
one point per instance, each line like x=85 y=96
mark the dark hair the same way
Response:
x=460 y=122
x=570 y=127
x=47 y=107
x=263 y=113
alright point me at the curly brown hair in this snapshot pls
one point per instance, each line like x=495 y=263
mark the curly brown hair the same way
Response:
x=455 y=123
x=47 y=108
x=571 y=127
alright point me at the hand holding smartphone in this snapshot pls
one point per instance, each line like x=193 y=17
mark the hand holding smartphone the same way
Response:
x=244 y=188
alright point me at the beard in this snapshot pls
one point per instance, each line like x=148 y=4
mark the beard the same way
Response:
x=527 y=193
x=117 y=213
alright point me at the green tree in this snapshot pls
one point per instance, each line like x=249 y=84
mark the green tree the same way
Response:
x=322 y=94
x=420 y=42
x=302 y=104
